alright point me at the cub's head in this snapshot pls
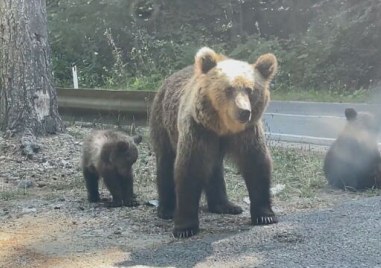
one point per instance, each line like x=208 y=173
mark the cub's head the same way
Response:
x=362 y=126
x=237 y=91
x=121 y=154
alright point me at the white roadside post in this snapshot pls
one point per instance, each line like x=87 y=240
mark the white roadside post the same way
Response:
x=75 y=76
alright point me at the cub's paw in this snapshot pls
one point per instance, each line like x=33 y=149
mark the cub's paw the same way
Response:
x=185 y=232
x=94 y=199
x=131 y=203
x=227 y=208
x=113 y=204
x=164 y=213
x=263 y=217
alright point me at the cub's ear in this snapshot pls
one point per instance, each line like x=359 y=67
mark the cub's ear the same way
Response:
x=122 y=145
x=266 y=65
x=137 y=139
x=350 y=114
x=205 y=59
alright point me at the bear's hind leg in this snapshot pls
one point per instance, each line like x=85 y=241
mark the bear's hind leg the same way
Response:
x=165 y=182
x=216 y=196
x=91 y=179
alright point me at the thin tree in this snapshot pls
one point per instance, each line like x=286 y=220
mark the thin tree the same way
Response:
x=28 y=99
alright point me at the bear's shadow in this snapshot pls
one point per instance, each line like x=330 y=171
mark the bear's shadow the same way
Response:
x=179 y=252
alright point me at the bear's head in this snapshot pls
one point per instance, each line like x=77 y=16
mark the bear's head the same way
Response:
x=121 y=154
x=362 y=126
x=236 y=91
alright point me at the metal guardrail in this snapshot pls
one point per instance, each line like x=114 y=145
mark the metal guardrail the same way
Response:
x=101 y=103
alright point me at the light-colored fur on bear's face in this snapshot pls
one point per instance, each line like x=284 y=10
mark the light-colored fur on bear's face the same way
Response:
x=234 y=88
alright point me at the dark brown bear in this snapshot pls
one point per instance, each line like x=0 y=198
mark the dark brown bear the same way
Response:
x=201 y=114
x=110 y=154
x=353 y=161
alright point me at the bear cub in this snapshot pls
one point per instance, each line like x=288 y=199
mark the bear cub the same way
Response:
x=353 y=161
x=110 y=154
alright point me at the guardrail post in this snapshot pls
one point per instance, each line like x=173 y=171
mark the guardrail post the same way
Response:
x=75 y=76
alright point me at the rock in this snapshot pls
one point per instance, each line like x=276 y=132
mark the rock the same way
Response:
x=152 y=203
x=23 y=184
x=41 y=185
x=29 y=210
x=277 y=189
x=29 y=145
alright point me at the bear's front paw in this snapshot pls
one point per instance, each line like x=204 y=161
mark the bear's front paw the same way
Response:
x=263 y=217
x=185 y=232
x=227 y=208
x=165 y=214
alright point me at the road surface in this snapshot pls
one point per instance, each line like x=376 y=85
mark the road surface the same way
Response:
x=308 y=122
x=347 y=235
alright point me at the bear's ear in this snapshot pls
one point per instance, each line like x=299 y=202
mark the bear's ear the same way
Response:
x=205 y=60
x=137 y=139
x=266 y=65
x=350 y=114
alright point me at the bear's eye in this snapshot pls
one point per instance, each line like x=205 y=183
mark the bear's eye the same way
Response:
x=229 y=91
x=248 y=90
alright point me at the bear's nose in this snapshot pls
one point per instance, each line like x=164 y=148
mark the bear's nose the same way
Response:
x=244 y=115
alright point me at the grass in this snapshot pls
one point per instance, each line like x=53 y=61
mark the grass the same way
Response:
x=282 y=93
x=14 y=194
x=293 y=94
x=299 y=170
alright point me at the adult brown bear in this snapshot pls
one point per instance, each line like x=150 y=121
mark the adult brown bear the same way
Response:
x=199 y=115
x=110 y=154
x=353 y=161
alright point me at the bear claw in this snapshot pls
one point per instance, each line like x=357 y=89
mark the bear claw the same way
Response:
x=185 y=233
x=264 y=220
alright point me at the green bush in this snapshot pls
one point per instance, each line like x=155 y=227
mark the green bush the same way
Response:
x=339 y=52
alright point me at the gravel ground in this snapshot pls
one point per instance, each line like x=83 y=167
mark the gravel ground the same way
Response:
x=46 y=221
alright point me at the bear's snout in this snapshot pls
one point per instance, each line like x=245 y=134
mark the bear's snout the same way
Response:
x=243 y=110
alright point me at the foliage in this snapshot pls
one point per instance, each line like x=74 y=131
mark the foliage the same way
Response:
x=320 y=44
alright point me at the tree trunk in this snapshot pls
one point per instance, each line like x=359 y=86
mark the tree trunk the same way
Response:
x=28 y=99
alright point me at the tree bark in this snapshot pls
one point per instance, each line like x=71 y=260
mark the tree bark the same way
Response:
x=28 y=99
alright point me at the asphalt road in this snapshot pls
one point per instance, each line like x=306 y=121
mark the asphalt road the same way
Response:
x=348 y=235
x=308 y=122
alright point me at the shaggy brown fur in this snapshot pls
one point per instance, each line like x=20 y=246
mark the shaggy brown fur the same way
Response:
x=110 y=154
x=353 y=161
x=201 y=114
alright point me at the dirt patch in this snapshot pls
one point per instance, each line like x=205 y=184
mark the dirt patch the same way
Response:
x=46 y=221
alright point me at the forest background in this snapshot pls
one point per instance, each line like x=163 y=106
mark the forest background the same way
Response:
x=322 y=45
